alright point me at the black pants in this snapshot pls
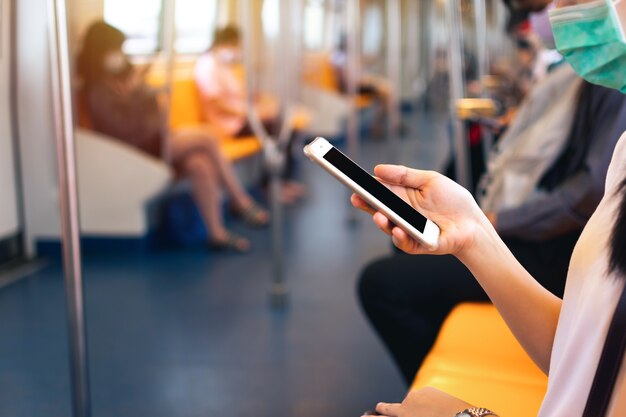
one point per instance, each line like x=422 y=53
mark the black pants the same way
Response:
x=406 y=298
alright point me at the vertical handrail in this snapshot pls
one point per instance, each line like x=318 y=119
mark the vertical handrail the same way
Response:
x=353 y=34
x=169 y=54
x=68 y=192
x=413 y=41
x=274 y=148
x=461 y=153
x=480 y=24
x=394 y=74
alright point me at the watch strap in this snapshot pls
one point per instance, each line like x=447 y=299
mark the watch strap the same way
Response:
x=476 y=412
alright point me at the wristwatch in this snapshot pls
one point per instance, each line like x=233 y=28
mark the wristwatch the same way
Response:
x=476 y=412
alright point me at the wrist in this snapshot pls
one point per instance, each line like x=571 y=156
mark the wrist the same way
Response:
x=484 y=240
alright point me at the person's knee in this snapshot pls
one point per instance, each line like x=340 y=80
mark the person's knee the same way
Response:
x=197 y=165
x=374 y=283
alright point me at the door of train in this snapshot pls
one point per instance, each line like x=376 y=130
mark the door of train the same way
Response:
x=10 y=228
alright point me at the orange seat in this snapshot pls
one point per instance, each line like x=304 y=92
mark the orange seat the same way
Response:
x=185 y=110
x=320 y=73
x=477 y=358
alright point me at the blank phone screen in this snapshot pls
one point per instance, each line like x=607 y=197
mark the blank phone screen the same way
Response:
x=376 y=189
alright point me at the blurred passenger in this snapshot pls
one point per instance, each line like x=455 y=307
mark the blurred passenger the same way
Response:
x=544 y=181
x=576 y=340
x=120 y=104
x=220 y=79
x=368 y=85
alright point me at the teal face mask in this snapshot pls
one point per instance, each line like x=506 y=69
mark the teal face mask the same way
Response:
x=590 y=38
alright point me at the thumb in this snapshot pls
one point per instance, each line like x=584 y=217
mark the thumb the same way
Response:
x=401 y=175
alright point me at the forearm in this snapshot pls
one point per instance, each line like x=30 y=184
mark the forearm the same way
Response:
x=530 y=311
x=231 y=107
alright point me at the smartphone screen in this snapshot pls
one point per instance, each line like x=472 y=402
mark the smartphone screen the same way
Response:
x=376 y=189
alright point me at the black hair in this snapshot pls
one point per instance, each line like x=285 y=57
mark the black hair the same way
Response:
x=101 y=38
x=617 y=257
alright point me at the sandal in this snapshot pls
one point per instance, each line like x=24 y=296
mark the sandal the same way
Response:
x=254 y=215
x=232 y=242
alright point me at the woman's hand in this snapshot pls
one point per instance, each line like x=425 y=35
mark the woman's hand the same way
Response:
x=438 y=198
x=426 y=402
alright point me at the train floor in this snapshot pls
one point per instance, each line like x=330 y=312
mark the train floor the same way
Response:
x=191 y=333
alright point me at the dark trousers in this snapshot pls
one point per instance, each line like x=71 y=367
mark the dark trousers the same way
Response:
x=406 y=298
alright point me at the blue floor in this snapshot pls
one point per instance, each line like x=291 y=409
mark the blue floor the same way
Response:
x=190 y=333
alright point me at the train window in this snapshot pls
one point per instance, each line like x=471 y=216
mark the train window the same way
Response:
x=372 y=31
x=195 y=23
x=141 y=21
x=314 y=24
x=271 y=18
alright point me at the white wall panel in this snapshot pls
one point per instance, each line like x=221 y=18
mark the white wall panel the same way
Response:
x=9 y=221
x=35 y=119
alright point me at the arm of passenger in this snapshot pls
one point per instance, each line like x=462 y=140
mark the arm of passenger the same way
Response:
x=228 y=106
x=564 y=209
x=530 y=311
x=568 y=206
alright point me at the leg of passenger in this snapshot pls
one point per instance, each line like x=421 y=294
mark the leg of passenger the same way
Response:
x=406 y=298
x=199 y=139
x=241 y=199
x=205 y=189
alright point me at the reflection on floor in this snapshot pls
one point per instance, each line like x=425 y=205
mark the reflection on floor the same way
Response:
x=190 y=333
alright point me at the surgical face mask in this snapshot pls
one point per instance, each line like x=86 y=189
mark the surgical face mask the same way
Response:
x=540 y=23
x=228 y=55
x=115 y=62
x=590 y=38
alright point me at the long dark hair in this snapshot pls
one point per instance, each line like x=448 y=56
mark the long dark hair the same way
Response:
x=100 y=39
x=617 y=259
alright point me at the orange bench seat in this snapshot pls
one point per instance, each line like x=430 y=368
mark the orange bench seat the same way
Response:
x=185 y=110
x=477 y=358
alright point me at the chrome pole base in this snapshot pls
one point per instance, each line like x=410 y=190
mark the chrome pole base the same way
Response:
x=279 y=296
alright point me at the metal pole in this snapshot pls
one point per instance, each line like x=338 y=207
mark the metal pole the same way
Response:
x=353 y=35
x=394 y=74
x=480 y=23
x=169 y=39
x=500 y=16
x=70 y=232
x=461 y=153
x=413 y=45
x=273 y=155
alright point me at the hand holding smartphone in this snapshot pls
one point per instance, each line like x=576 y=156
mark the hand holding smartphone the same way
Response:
x=377 y=195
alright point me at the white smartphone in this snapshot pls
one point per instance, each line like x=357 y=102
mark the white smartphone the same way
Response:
x=373 y=192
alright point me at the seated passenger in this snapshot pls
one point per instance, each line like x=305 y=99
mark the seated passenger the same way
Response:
x=220 y=79
x=368 y=85
x=542 y=185
x=565 y=337
x=120 y=104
